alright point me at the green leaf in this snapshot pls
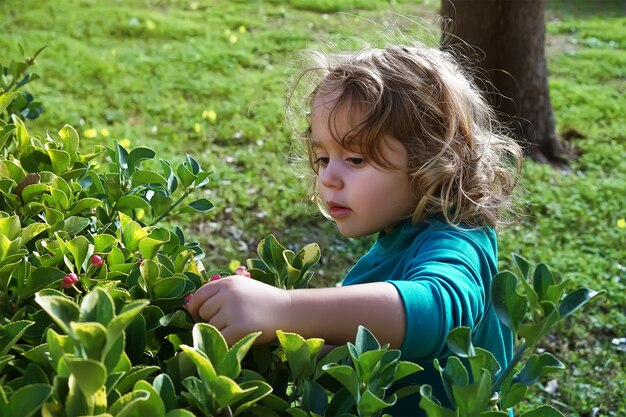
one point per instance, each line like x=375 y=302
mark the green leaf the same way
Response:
x=132 y=202
x=371 y=404
x=132 y=232
x=136 y=373
x=341 y=403
x=346 y=375
x=81 y=249
x=508 y=303
x=90 y=338
x=208 y=340
x=125 y=406
x=150 y=244
x=90 y=374
x=474 y=398
x=150 y=272
x=33 y=190
x=365 y=341
x=484 y=359
x=514 y=395
x=153 y=406
x=74 y=225
x=11 y=170
x=198 y=395
x=575 y=300
x=543 y=411
x=147 y=177
x=83 y=204
x=314 y=397
x=368 y=365
x=185 y=175
x=432 y=407
x=160 y=203
x=404 y=369
x=536 y=367
x=137 y=155
x=454 y=373
x=62 y=310
x=307 y=257
x=301 y=354
x=206 y=370
x=27 y=400
x=231 y=366
x=533 y=332
x=58 y=198
x=164 y=387
x=104 y=243
x=460 y=342
x=60 y=160
x=10 y=227
x=4 y=361
x=97 y=306
x=69 y=138
x=336 y=355
x=180 y=412
x=260 y=390
x=169 y=288
x=542 y=280
x=271 y=252
x=11 y=333
x=199 y=206
x=6 y=99
x=226 y=391
x=122 y=320
x=33 y=230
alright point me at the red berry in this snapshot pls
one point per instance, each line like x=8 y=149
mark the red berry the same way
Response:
x=97 y=261
x=72 y=276
x=67 y=282
x=215 y=277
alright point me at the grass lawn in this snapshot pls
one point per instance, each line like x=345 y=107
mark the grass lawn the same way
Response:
x=208 y=78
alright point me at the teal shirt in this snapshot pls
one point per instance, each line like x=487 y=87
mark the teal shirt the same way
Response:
x=443 y=275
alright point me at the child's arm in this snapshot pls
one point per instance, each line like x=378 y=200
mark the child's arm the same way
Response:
x=238 y=306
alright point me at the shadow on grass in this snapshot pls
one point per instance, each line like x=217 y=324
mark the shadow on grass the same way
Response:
x=586 y=8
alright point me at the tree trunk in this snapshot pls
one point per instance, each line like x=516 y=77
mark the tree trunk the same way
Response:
x=507 y=38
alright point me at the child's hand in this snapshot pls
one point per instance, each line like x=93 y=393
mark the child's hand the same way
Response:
x=238 y=306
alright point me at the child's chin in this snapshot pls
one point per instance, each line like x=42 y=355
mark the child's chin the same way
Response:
x=351 y=232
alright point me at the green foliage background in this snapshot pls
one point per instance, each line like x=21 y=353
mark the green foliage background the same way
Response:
x=153 y=71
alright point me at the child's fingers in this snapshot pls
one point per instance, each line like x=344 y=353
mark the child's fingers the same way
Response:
x=201 y=296
x=209 y=312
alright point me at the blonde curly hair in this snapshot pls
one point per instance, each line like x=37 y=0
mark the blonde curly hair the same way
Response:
x=462 y=165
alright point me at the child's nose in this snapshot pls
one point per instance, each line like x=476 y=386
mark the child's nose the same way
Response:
x=330 y=176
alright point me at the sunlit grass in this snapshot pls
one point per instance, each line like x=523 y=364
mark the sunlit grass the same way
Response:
x=209 y=78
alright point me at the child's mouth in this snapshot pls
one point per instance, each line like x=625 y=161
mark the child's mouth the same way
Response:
x=335 y=210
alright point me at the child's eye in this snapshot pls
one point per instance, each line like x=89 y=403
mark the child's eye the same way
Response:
x=321 y=161
x=355 y=161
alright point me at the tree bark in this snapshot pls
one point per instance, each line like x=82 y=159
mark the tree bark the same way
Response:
x=507 y=39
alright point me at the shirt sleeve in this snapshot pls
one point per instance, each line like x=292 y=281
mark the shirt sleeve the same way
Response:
x=443 y=287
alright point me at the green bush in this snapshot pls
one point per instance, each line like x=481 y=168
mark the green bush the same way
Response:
x=92 y=291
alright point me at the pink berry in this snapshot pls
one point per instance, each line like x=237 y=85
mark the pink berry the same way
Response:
x=97 y=261
x=67 y=281
x=73 y=277
x=186 y=301
x=242 y=271
x=215 y=277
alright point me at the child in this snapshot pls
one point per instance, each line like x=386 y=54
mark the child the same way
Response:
x=402 y=144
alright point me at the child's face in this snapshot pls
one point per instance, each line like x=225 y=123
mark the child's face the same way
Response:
x=361 y=197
